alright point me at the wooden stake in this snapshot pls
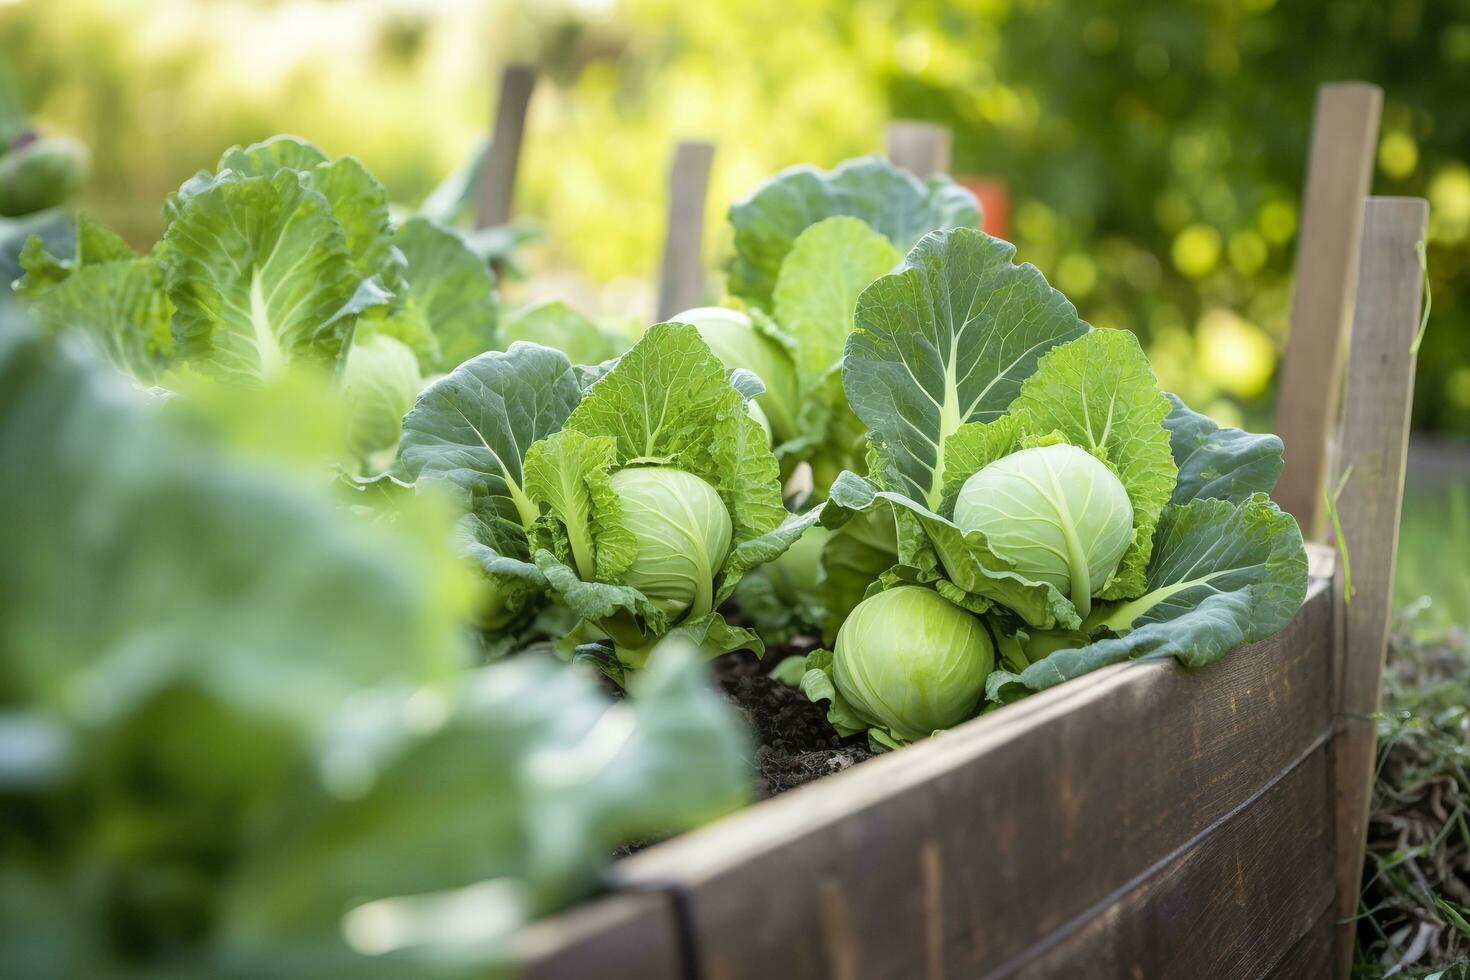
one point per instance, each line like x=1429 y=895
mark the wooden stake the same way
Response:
x=681 y=283
x=1374 y=440
x=498 y=179
x=922 y=148
x=1339 y=172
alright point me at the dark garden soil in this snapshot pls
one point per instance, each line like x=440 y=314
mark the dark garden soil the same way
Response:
x=795 y=745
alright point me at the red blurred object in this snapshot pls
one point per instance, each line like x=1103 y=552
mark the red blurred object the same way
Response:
x=995 y=204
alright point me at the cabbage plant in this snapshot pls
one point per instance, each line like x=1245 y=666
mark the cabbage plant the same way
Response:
x=1039 y=478
x=280 y=258
x=636 y=503
x=807 y=242
x=273 y=704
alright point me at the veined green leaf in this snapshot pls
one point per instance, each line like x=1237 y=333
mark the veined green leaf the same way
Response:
x=668 y=401
x=359 y=202
x=448 y=309
x=472 y=427
x=892 y=202
x=1222 y=574
x=947 y=340
x=569 y=472
x=121 y=307
x=259 y=273
x=829 y=265
x=1224 y=463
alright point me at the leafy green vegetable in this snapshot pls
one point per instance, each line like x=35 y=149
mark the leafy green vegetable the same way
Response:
x=252 y=743
x=1061 y=515
x=1223 y=574
x=638 y=505
x=907 y=664
x=448 y=311
x=255 y=296
x=470 y=430
x=1038 y=476
x=892 y=202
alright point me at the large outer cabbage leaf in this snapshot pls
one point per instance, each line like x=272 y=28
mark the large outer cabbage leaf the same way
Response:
x=471 y=429
x=447 y=310
x=121 y=307
x=947 y=340
x=105 y=292
x=1222 y=574
x=260 y=276
x=892 y=202
x=828 y=267
x=358 y=201
x=1219 y=462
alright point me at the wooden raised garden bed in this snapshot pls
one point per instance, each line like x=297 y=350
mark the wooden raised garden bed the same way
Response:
x=1141 y=821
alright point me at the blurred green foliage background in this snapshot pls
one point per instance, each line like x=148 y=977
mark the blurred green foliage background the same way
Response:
x=1153 y=149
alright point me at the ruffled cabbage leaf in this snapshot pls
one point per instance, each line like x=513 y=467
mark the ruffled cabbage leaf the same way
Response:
x=894 y=203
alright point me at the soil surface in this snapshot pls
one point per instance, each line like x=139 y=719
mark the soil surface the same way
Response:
x=794 y=742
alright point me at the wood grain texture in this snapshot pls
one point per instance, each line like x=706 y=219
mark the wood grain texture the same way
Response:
x=622 y=937
x=1228 y=905
x=1339 y=171
x=498 y=178
x=681 y=283
x=921 y=148
x=955 y=856
x=1313 y=956
x=1374 y=442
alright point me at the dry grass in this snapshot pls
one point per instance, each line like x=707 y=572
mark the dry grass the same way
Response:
x=1416 y=896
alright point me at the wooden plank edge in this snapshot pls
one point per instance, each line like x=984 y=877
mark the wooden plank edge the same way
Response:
x=1103 y=906
x=732 y=840
x=579 y=942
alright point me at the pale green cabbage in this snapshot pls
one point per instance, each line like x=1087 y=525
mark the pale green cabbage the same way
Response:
x=681 y=533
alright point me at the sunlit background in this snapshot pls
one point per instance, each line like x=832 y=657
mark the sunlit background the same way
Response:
x=1152 y=151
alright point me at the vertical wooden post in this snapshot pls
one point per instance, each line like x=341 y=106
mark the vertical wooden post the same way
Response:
x=1339 y=171
x=681 y=282
x=1374 y=440
x=921 y=148
x=498 y=178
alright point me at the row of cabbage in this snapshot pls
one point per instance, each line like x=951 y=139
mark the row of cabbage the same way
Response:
x=327 y=475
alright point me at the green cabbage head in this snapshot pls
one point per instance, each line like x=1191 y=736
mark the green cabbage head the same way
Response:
x=911 y=662
x=1060 y=514
x=681 y=531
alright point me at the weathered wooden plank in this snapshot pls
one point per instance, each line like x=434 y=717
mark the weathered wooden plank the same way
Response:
x=622 y=937
x=1226 y=905
x=1339 y=170
x=921 y=148
x=1312 y=956
x=1374 y=441
x=954 y=856
x=498 y=176
x=681 y=283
